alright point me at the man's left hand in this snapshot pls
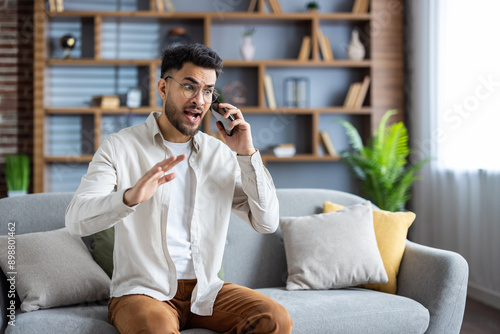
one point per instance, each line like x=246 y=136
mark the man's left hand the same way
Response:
x=241 y=140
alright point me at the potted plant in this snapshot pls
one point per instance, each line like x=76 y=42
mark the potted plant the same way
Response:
x=17 y=174
x=382 y=166
x=312 y=6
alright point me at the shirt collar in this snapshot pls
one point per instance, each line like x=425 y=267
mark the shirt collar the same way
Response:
x=154 y=130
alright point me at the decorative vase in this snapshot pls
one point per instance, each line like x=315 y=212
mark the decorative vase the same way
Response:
x=247 y=48
x=355 y=49
x=14 y=193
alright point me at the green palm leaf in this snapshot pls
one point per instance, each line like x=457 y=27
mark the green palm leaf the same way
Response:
x=352 y=135
x=381 y=165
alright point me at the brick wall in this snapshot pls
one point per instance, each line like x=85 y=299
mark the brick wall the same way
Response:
x=16 y=88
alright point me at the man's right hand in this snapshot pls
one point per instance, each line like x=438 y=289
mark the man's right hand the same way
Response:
x=147 y=185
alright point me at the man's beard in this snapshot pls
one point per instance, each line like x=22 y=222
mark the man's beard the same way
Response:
x=175 y=118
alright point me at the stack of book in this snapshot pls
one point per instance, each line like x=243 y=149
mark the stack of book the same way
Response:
x=56 y=6
x=323 y=43
x=274 y=5
x=357 y=93
x=161 y=5
x=327 y=144
x=269 y=89
x=361 y=6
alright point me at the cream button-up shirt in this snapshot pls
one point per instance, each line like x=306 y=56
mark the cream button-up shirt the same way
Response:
x=223 y=182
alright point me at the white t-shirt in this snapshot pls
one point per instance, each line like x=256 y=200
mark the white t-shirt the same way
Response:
x=180 y=212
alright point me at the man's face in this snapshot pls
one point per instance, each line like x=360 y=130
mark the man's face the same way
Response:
x=186 y=113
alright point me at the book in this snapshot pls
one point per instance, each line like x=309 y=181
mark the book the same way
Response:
x=159 y=5
x=52 y=6
x=322 y=45
x=356 y=6
x=277 y=6
x=355 y=94
x=363 y=7
x=305 y=48
x=269 y=88
x=351 y=95
x=269 y=5
x=329 y=48
x=107 y=101
x=274 y=6
x=327 y=143
x=358 y=103
x=59 y=5
x=169 y=5
x=251 y=7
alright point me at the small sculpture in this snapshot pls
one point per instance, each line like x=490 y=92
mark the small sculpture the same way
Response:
x=68 y=43
x=247 y=47
x=355 y=49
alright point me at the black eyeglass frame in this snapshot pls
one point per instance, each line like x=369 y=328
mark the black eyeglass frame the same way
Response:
x=214 y=94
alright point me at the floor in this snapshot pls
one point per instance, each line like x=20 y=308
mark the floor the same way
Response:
x=480 y=319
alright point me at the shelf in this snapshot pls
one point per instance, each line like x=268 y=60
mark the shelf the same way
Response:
x=299 y=157
x=102 y=62
x=81 y=158
x=217 y=15
x=305 y=111
x=245 y=110
x=96 y=110
x=227 y=63
x=299 y=63
x=105 y=34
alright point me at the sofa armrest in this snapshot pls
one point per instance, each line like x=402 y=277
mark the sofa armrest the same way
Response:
x=438 y=280
x=4 y=288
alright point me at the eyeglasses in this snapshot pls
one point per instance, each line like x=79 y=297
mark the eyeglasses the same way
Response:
x=191 y=90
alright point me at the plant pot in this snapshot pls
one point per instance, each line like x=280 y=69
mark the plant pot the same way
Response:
x=14 y=193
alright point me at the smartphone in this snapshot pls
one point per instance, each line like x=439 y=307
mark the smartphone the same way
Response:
x=219 y=113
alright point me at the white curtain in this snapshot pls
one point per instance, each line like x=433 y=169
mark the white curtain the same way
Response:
x=454 y=115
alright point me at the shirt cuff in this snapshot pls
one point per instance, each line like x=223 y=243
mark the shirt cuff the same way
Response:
x=249 y=163
x=120 y=207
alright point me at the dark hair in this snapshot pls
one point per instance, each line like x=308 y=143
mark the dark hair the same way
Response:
x=198 y=54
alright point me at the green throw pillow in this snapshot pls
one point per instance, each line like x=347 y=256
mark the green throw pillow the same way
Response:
x=104 y=242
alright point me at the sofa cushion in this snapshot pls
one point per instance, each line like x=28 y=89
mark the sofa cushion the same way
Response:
x=104 y=242
x=332 y=250
x=350 y=310
x=391 y=229
x=84 y=319
x=88 y=318
x=52 y=269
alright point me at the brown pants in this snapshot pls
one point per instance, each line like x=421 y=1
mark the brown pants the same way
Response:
x=236 y=310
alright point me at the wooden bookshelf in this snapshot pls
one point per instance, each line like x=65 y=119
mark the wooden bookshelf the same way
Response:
x=384 y=63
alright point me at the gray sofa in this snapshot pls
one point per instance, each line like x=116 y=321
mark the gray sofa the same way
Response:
x=432 y=283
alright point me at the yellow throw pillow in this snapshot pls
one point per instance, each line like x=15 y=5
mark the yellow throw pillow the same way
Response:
x=391 y=229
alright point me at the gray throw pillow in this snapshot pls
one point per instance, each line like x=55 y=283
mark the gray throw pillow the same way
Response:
x=332 y=250
x=52 y=269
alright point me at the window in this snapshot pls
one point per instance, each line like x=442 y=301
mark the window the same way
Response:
x=468 y=135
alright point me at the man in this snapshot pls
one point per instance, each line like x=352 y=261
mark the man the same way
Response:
x=168 y=190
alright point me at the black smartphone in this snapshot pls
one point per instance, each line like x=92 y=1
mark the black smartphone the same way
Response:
x=219 y=113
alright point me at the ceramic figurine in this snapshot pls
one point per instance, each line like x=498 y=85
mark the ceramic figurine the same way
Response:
x=247 y=47
x=355 y=49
